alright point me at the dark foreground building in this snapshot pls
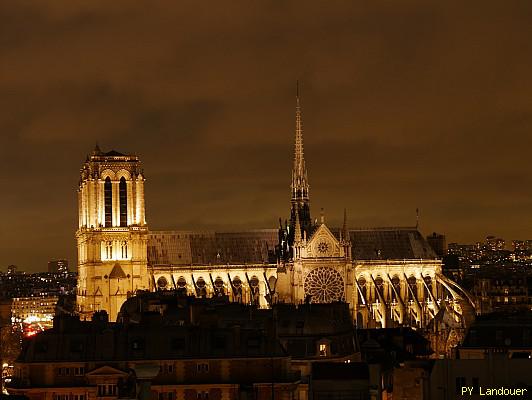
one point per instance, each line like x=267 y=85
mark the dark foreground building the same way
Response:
x=168 y=347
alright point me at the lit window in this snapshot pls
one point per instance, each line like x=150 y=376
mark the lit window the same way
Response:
x=323 y=350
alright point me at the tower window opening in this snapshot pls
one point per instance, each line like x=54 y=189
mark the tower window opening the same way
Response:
x=122 y=189
x=124 y=249
x=109 y=250
x=108 y=202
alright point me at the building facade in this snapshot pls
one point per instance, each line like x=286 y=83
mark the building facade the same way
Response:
x=168 y=346
x=33 y=314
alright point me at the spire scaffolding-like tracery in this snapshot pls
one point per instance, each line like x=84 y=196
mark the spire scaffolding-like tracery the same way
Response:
x=300 y=187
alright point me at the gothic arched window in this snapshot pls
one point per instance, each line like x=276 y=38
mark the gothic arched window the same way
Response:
x=237 y=290
x=428 y=284
x=219 y=285
x=254 y=288
x=122 y=195
x=362 y=291
x=201 y=287
x=109 y=249
x=379 y=285
x=412 y=282
x=124 y=249
x=162 y=282
x=396 y=289
x=108 y=202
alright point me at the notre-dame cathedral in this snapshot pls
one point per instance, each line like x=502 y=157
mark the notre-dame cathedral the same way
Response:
x=389 y=276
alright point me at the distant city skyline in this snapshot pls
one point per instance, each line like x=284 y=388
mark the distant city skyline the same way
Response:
x=404 y=107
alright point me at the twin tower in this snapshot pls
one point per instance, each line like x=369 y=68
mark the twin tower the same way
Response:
x=112 y=235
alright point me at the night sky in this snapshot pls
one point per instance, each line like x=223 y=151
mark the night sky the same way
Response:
x=406 y=104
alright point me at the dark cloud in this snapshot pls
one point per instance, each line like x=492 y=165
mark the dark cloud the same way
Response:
x=406 y=105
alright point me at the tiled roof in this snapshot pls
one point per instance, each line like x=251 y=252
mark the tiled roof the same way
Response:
x=258 y=246
x=114 y=153
x=389 y=244
x=504 y=331
x=212 y=248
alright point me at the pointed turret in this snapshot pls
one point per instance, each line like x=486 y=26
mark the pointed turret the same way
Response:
x=345 y=232
x=97 y=151
x=346 y=238
x=297 y=230
x=300 y=187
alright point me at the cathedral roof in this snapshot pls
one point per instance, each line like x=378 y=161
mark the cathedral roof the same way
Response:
x=212 y=248
x=258 y=246
x=389 y=244
x=114 y=153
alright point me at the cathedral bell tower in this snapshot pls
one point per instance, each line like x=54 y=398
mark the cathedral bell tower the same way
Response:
x=112 y=234
x=300 y=203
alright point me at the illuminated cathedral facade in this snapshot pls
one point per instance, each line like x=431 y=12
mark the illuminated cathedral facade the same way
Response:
x=389 y=276
x=112 y=234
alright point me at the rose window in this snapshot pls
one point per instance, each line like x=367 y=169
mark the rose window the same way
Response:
x=324 y=285
x=323 y=247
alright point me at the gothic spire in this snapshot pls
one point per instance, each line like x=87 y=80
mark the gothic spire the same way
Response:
x=299 y=186
x=344 y=229
x=299 y=172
